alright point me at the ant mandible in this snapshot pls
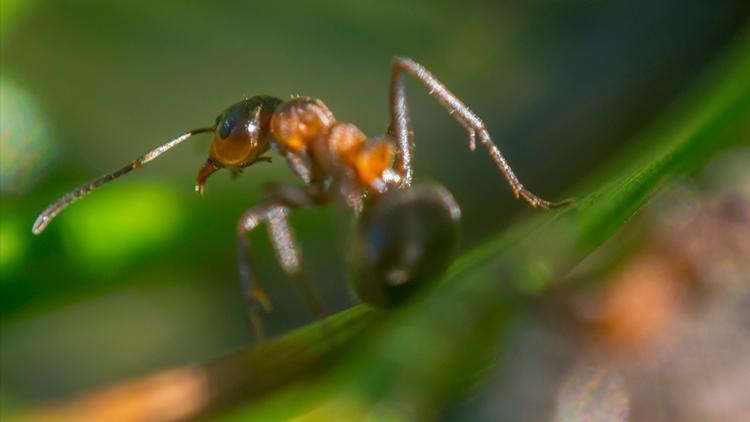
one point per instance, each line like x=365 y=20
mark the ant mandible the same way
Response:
x=407 y=234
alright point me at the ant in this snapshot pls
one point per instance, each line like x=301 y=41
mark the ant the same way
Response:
x=407 y=233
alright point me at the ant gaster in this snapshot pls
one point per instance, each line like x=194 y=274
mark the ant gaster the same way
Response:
x=407 y=234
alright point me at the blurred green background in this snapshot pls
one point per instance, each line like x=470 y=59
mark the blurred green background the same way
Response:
x=142 y=274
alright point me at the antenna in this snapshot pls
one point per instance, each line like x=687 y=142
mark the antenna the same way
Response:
x=56 y=207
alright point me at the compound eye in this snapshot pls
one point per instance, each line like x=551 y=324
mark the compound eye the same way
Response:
x=225 y=127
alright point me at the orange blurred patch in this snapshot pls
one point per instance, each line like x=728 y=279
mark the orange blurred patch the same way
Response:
x=641 y=304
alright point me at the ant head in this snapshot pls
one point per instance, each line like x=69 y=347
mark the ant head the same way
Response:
x=240 y=135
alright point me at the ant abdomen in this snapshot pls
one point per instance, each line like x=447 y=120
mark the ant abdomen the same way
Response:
x=405 y=238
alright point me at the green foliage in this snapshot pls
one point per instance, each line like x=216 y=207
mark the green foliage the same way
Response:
x=12 y=12
x=114 y=226
x=26 y=144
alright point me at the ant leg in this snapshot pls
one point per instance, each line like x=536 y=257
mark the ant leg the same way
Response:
x=400 y=127
x=254 y=294
x=274 y=213
x=288 y=254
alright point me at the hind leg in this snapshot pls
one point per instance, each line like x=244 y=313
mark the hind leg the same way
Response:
x=400 y=127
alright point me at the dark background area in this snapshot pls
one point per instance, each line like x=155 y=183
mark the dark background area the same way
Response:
x=142 y=274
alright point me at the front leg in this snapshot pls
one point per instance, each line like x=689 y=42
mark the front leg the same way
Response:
x=274 y=213
x=400 y=127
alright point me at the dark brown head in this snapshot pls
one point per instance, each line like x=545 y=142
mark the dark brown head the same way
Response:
x=240 y=136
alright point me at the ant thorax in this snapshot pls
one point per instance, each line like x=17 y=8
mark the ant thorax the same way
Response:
x=336 y=150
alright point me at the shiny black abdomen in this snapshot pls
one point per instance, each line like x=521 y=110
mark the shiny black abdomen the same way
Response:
x=404 y=239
